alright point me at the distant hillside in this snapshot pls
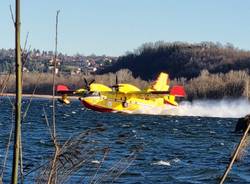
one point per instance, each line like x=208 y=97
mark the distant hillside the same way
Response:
x=181 y=60
x=40 y=61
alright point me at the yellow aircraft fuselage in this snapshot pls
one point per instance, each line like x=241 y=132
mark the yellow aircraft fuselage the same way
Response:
x=117 y=103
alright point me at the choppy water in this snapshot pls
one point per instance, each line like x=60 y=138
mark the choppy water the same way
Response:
x=172 y=149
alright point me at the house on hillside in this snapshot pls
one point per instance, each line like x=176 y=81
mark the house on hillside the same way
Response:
x=51 y=65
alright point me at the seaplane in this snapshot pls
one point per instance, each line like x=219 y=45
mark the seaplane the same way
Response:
x=125 y=98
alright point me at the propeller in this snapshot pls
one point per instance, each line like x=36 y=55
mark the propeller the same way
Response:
x=116 y=86
x=116 y=79
x=87 y=84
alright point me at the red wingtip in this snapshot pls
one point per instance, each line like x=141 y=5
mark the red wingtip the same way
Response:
x=178 y=91
x=61 y=88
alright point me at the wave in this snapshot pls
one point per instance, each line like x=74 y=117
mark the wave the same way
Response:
x=162 y=162
x=166 y=162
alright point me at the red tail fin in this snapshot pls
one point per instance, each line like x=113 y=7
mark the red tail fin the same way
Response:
x=178 y=91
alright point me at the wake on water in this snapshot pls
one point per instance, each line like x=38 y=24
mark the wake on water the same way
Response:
x=225 y=108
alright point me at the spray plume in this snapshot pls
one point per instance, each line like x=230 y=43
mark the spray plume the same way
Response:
x=225 y=108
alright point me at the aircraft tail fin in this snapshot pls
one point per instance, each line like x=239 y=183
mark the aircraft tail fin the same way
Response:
x=161 y=83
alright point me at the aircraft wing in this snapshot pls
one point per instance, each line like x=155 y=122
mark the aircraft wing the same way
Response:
x=138 y=94
x=175 y=91
x=134 y=92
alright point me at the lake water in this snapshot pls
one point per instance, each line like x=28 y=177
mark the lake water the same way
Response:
x=164 y=149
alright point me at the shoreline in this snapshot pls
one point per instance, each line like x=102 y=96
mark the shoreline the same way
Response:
x=35 y=96
x=28 y=95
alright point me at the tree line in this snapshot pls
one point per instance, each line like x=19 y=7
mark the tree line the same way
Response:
x=181 y=60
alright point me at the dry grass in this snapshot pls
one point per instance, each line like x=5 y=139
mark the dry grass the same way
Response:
x=30 y=81
x=216 y=86
x=233 y=84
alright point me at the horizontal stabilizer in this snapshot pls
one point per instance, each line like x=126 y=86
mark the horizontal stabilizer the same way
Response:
x=178 y=91
x=159 y=92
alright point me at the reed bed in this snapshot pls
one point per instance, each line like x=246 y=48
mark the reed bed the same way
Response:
x=234 y=84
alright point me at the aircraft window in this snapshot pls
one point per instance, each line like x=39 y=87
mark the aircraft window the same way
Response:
x=125 y=104
x=96 y=93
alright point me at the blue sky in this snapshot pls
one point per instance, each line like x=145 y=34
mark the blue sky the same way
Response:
x=113 y=27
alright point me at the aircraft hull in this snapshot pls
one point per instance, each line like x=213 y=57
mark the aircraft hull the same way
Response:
x=117 y=103
x=96 y=107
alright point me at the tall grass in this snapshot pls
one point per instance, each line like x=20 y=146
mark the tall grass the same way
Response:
x=233 y=84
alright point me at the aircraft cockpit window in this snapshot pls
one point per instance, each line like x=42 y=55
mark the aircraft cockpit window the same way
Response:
x=95 y=93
